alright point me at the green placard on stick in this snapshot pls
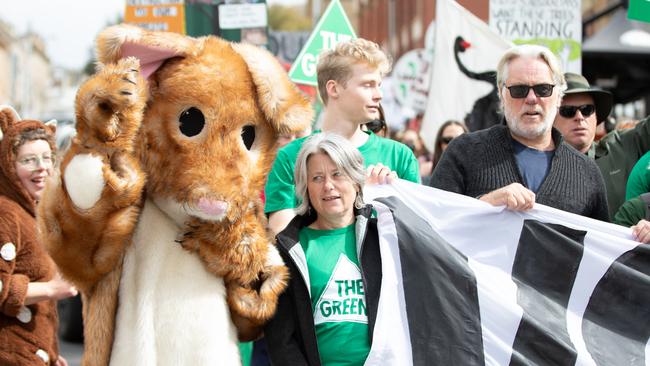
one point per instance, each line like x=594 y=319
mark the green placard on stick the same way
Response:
x=332 y=28
x=639 y=10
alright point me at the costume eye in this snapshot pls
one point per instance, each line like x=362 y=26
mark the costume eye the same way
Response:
x=248 y=136
x=191 y=122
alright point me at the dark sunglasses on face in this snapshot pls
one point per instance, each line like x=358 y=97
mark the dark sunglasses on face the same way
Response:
x=446 y=140
x=568 y=111
x=521 y=91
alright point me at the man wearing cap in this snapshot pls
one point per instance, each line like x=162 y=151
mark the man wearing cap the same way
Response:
x=583 y=108
x=525 y=160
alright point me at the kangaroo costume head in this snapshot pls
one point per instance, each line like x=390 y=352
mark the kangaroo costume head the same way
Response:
x=212 y=117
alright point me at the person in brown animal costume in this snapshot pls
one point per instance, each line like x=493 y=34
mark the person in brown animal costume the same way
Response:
x=156 y=216
x=29 y=283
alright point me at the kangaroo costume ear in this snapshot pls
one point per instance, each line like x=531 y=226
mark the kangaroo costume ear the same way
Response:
x=51 y=126
x=151 y=48
x=8 y=116
x=283 y=105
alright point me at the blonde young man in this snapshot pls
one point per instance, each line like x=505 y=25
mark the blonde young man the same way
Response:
x=526 y=160
x=349 y=78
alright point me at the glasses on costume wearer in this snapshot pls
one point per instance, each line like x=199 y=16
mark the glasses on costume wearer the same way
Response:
x=568 y=111
x=33 y=162
x=446 y=140
x=521 y=91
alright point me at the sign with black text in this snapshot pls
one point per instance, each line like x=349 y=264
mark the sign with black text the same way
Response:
x=554 y=24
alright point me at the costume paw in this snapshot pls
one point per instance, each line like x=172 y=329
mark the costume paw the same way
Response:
x=260 y=305
x=119 y=89
x=125 y=178
x=250 y=304
x=274 y=280
x=113 y=100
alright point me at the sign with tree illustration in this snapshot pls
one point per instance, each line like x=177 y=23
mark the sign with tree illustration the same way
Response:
x=412 y=73
x=554 y=24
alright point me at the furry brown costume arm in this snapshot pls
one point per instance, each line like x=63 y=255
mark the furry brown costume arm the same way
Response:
x=86 y=228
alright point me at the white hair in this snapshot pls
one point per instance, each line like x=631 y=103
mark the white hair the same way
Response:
x=532 y=51
x=345 y=156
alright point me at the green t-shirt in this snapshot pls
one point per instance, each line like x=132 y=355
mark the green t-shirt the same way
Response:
x=280 y=190
x=639 y=180
x=337 y=295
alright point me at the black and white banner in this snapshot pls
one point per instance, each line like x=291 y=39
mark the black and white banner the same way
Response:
x=465 y=283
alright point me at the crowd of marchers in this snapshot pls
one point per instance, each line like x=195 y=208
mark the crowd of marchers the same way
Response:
x=544 y=150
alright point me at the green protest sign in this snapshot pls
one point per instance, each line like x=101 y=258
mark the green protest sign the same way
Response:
x=639 y=10
x=332 y=28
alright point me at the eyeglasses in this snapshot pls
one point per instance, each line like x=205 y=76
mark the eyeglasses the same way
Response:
x=446 y=140
x=568 y=111
x=33 y=162
x=521 y=91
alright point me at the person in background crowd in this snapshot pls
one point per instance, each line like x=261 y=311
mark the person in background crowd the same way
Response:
x=626 y=123
x=635 y=213
x=284 y=139
x=349 y=79
x=582 y=109
x=639 y=180
x=377 y=126
x=413 y=140
x=526 y=160
x=29 y=283
x=447 y=132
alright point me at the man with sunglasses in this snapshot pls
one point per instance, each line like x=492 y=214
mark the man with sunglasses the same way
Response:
x=583 y=108
x=524 y=160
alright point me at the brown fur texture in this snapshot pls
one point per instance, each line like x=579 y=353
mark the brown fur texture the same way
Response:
x=109 y=112
x=136 y=126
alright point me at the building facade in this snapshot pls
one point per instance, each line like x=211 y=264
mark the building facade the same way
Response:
x=25 y=72
x=6 y=41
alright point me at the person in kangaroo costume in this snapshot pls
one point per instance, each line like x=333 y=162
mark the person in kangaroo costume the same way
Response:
x=156 y=215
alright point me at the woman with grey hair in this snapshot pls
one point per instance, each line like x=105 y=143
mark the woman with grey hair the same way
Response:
x=327 y=314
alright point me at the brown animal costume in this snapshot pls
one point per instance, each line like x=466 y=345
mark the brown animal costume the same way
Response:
x=157 y=215
x=27 y=333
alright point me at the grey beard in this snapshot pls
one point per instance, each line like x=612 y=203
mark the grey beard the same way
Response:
x=530 y=133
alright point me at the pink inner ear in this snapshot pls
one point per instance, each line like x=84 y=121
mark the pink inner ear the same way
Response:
x=150 y=57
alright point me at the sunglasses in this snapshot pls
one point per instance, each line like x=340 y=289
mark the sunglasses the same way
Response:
x=376 y=125
x=568 y=111
x=446 y=140
x=521 y=91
